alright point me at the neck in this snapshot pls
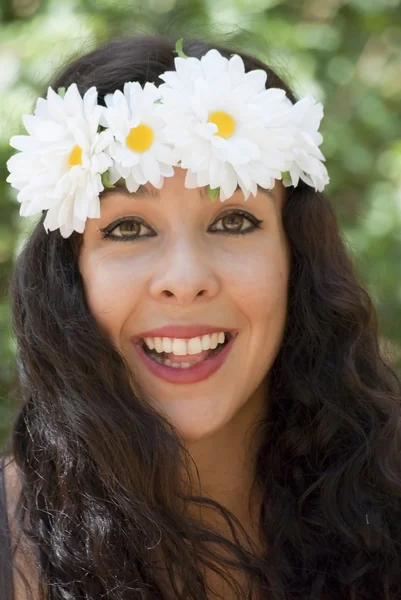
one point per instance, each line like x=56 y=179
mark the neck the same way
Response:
x=226 y=466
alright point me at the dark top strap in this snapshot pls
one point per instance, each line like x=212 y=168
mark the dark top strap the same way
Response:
x=6 y=582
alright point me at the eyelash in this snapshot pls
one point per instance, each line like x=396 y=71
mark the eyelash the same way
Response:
x=114 y=238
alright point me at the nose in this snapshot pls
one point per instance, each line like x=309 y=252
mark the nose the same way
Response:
x=185 y=274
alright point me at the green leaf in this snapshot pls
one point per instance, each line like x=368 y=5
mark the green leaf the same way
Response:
x=106 y=180
x=286 y=175
x=213 y=193
x=61 y=91
x=179 y=50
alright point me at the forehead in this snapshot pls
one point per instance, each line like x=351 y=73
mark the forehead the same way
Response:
x=144 y=191
x=149 y=191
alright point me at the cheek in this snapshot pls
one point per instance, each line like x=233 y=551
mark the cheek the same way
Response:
x=259 y=281
x=113 y=288
x=259 y=284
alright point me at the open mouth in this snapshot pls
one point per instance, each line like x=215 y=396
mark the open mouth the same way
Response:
x=183 y=360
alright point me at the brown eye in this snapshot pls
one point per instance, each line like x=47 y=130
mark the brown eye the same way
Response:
x=236 y=222
x=125 y=230
x=129 y=227
x=233 y=222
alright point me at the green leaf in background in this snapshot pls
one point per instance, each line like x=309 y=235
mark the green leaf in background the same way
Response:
x=105 y=177
x=213 y=193
x=178 y=48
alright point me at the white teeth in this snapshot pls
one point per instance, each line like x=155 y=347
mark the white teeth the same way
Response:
x=158 y=344
x=206 y=342
x=176 y=365
x=179 y=347
x=170 y=363
x=150 y=343
x=167 y=345
x=182 y=347
x=194 y=346
x=214 y=340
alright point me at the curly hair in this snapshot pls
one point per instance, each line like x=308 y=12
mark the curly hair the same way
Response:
x=329 y=466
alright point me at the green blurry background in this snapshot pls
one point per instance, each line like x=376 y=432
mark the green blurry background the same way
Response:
x=345 y=53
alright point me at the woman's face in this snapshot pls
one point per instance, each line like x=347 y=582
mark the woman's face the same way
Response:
x=180 y=268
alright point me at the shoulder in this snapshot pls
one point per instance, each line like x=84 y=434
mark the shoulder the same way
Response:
x=23 y=558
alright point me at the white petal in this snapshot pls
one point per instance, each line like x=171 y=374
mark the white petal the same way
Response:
x=163 y=153
x=23 y=142
x=215 y=172
x=294 y=174
x=150 y=168
x=214 y=65
x=206 y=130
x=42 y=108
x=236 y=69
x=78 y=135
x=150 y=93
x=229 y=182
x=55 y=106
x=89 y=101
x=46 y=131
x=73 y=100
x=187 y=69
x=172 y=80
x=66 y=211
x=166 y=170
x=131 y=184
x=257 y=79
x=159 y=185
x=94 y=208
x=132 y=89
x=103 y=141
x=103 y=162
x=203 y=178
x=51 y=221
x=191 y=180
x=81 y=203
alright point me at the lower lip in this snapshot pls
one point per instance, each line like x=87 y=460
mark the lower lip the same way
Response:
x=190 y=375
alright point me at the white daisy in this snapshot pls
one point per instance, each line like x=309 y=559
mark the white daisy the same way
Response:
x=306 y=158
x=226 y=128
x=139 y=150
x=60 y=162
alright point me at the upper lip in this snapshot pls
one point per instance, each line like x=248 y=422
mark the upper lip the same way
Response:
x=180 y=331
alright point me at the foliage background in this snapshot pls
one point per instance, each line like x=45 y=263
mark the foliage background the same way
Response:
x=347 y=53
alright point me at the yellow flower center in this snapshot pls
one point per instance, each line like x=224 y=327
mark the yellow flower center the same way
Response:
x=225 y=123
x=75 y=157
x=140 y=138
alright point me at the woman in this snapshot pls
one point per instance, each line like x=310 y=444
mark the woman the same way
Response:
x=206 y=410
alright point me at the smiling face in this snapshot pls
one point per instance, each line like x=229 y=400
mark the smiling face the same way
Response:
x=180 y=262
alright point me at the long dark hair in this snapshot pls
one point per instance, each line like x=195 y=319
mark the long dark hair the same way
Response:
x=102 y=485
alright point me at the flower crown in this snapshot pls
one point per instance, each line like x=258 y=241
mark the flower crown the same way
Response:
x=209 y=117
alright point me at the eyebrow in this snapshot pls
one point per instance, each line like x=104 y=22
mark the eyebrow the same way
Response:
x=143 y=191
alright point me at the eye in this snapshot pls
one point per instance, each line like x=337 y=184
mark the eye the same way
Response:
x=132 y=226
x=232 y=223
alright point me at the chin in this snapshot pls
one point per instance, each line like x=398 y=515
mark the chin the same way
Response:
x=191 y=425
